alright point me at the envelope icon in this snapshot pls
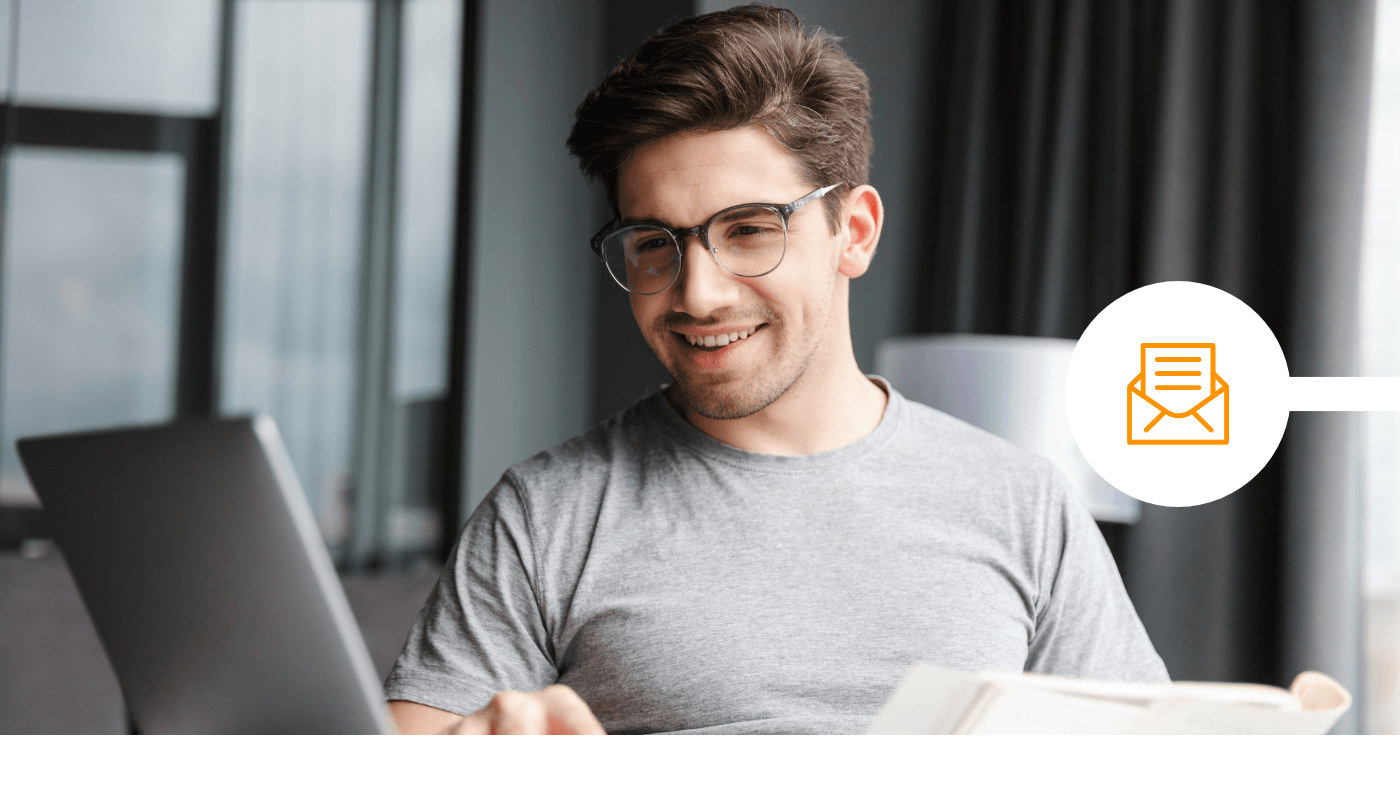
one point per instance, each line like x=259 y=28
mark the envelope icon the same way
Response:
x=1178 y=398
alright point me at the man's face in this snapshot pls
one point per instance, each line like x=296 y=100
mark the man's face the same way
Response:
x=775 y=325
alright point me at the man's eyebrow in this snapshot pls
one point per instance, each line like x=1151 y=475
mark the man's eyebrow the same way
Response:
x=624 y=221
x=758 y=208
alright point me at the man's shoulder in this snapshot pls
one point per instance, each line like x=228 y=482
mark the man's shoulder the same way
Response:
x=930 y=435
x=558 y=492
x=623 y=438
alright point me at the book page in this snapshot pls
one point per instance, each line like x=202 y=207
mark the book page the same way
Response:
x=930 y=699
x=1018 y=710
x=1193 y=715
x=1142 y=692
x=1318 y=702
x=937 y=700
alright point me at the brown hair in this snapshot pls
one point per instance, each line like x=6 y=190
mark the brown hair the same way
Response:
x=751 y=65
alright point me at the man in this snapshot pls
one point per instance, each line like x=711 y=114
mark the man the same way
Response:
x=770 y=543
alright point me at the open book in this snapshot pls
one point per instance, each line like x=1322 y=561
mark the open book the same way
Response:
x=936 y=700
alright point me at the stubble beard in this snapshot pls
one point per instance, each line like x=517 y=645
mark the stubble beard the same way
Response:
x=738 y=398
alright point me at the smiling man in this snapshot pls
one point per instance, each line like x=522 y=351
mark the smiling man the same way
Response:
x=770 y=543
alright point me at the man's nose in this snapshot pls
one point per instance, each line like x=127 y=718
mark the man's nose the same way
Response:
x=703 y=286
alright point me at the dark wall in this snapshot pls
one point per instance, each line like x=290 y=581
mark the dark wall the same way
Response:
x=530 y=352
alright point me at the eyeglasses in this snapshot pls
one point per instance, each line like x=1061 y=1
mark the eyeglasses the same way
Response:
x=747 y=240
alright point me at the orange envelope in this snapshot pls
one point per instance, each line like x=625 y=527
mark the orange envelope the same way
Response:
x=1177 y=398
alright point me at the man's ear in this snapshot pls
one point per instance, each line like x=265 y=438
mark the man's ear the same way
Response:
x=863 y=215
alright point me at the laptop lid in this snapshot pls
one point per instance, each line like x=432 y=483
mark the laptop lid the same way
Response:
x=199 y=561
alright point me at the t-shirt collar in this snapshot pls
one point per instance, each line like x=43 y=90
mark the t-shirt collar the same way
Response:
x=697 y=440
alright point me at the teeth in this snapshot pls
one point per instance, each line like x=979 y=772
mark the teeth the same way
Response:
x=719 y=340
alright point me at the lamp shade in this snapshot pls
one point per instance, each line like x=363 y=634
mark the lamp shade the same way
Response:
x=1013 y=387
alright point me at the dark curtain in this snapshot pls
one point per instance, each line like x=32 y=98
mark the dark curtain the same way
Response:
x=1081 y=148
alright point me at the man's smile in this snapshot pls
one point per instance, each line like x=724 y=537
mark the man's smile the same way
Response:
x=715 y=338
x=710 y=348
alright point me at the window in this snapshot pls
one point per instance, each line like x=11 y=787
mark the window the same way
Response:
x=233 y=206
x=298 y=148
x=1380 y=320
x=92 y=272
x=108 y=181
x=355 y=377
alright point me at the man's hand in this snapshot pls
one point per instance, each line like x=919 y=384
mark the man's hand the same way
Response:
x=556 y=709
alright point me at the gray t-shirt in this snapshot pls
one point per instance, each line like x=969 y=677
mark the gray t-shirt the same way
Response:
x=681 y=584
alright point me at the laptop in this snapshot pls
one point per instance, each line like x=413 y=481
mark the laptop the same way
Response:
x=199 y=561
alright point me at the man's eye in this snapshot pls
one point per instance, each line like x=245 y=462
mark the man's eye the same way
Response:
x=650 y=248
x=749 y=230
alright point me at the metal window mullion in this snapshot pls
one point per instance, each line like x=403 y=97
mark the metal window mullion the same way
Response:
x=228 y=31
x=374 y=402
x=7 y=144
x=198 y=372
x=455 y=422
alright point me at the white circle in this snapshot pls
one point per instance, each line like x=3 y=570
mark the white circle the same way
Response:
x=1134 y=407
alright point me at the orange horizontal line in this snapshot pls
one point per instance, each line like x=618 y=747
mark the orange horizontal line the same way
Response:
x=1178 y=358
x=1168 y=373
x=1178 y=388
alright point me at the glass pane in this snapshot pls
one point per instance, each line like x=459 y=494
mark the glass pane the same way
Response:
x=6 y=8
x=426 y=208
x=92 y=261
x=1380 y=315
x=1380 y=343
x=140 y=55
x=300 y=99
x=426 y=197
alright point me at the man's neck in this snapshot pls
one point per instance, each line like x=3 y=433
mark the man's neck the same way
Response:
x=828 y=407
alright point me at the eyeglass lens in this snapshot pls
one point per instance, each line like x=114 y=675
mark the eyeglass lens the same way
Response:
x=749 y=241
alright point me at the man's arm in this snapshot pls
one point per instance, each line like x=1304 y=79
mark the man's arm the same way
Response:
x=556 y=709
x=480 y=629
x=416 y=719
x=1087 y=627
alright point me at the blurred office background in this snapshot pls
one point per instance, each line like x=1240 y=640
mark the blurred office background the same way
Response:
x=314 y=209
